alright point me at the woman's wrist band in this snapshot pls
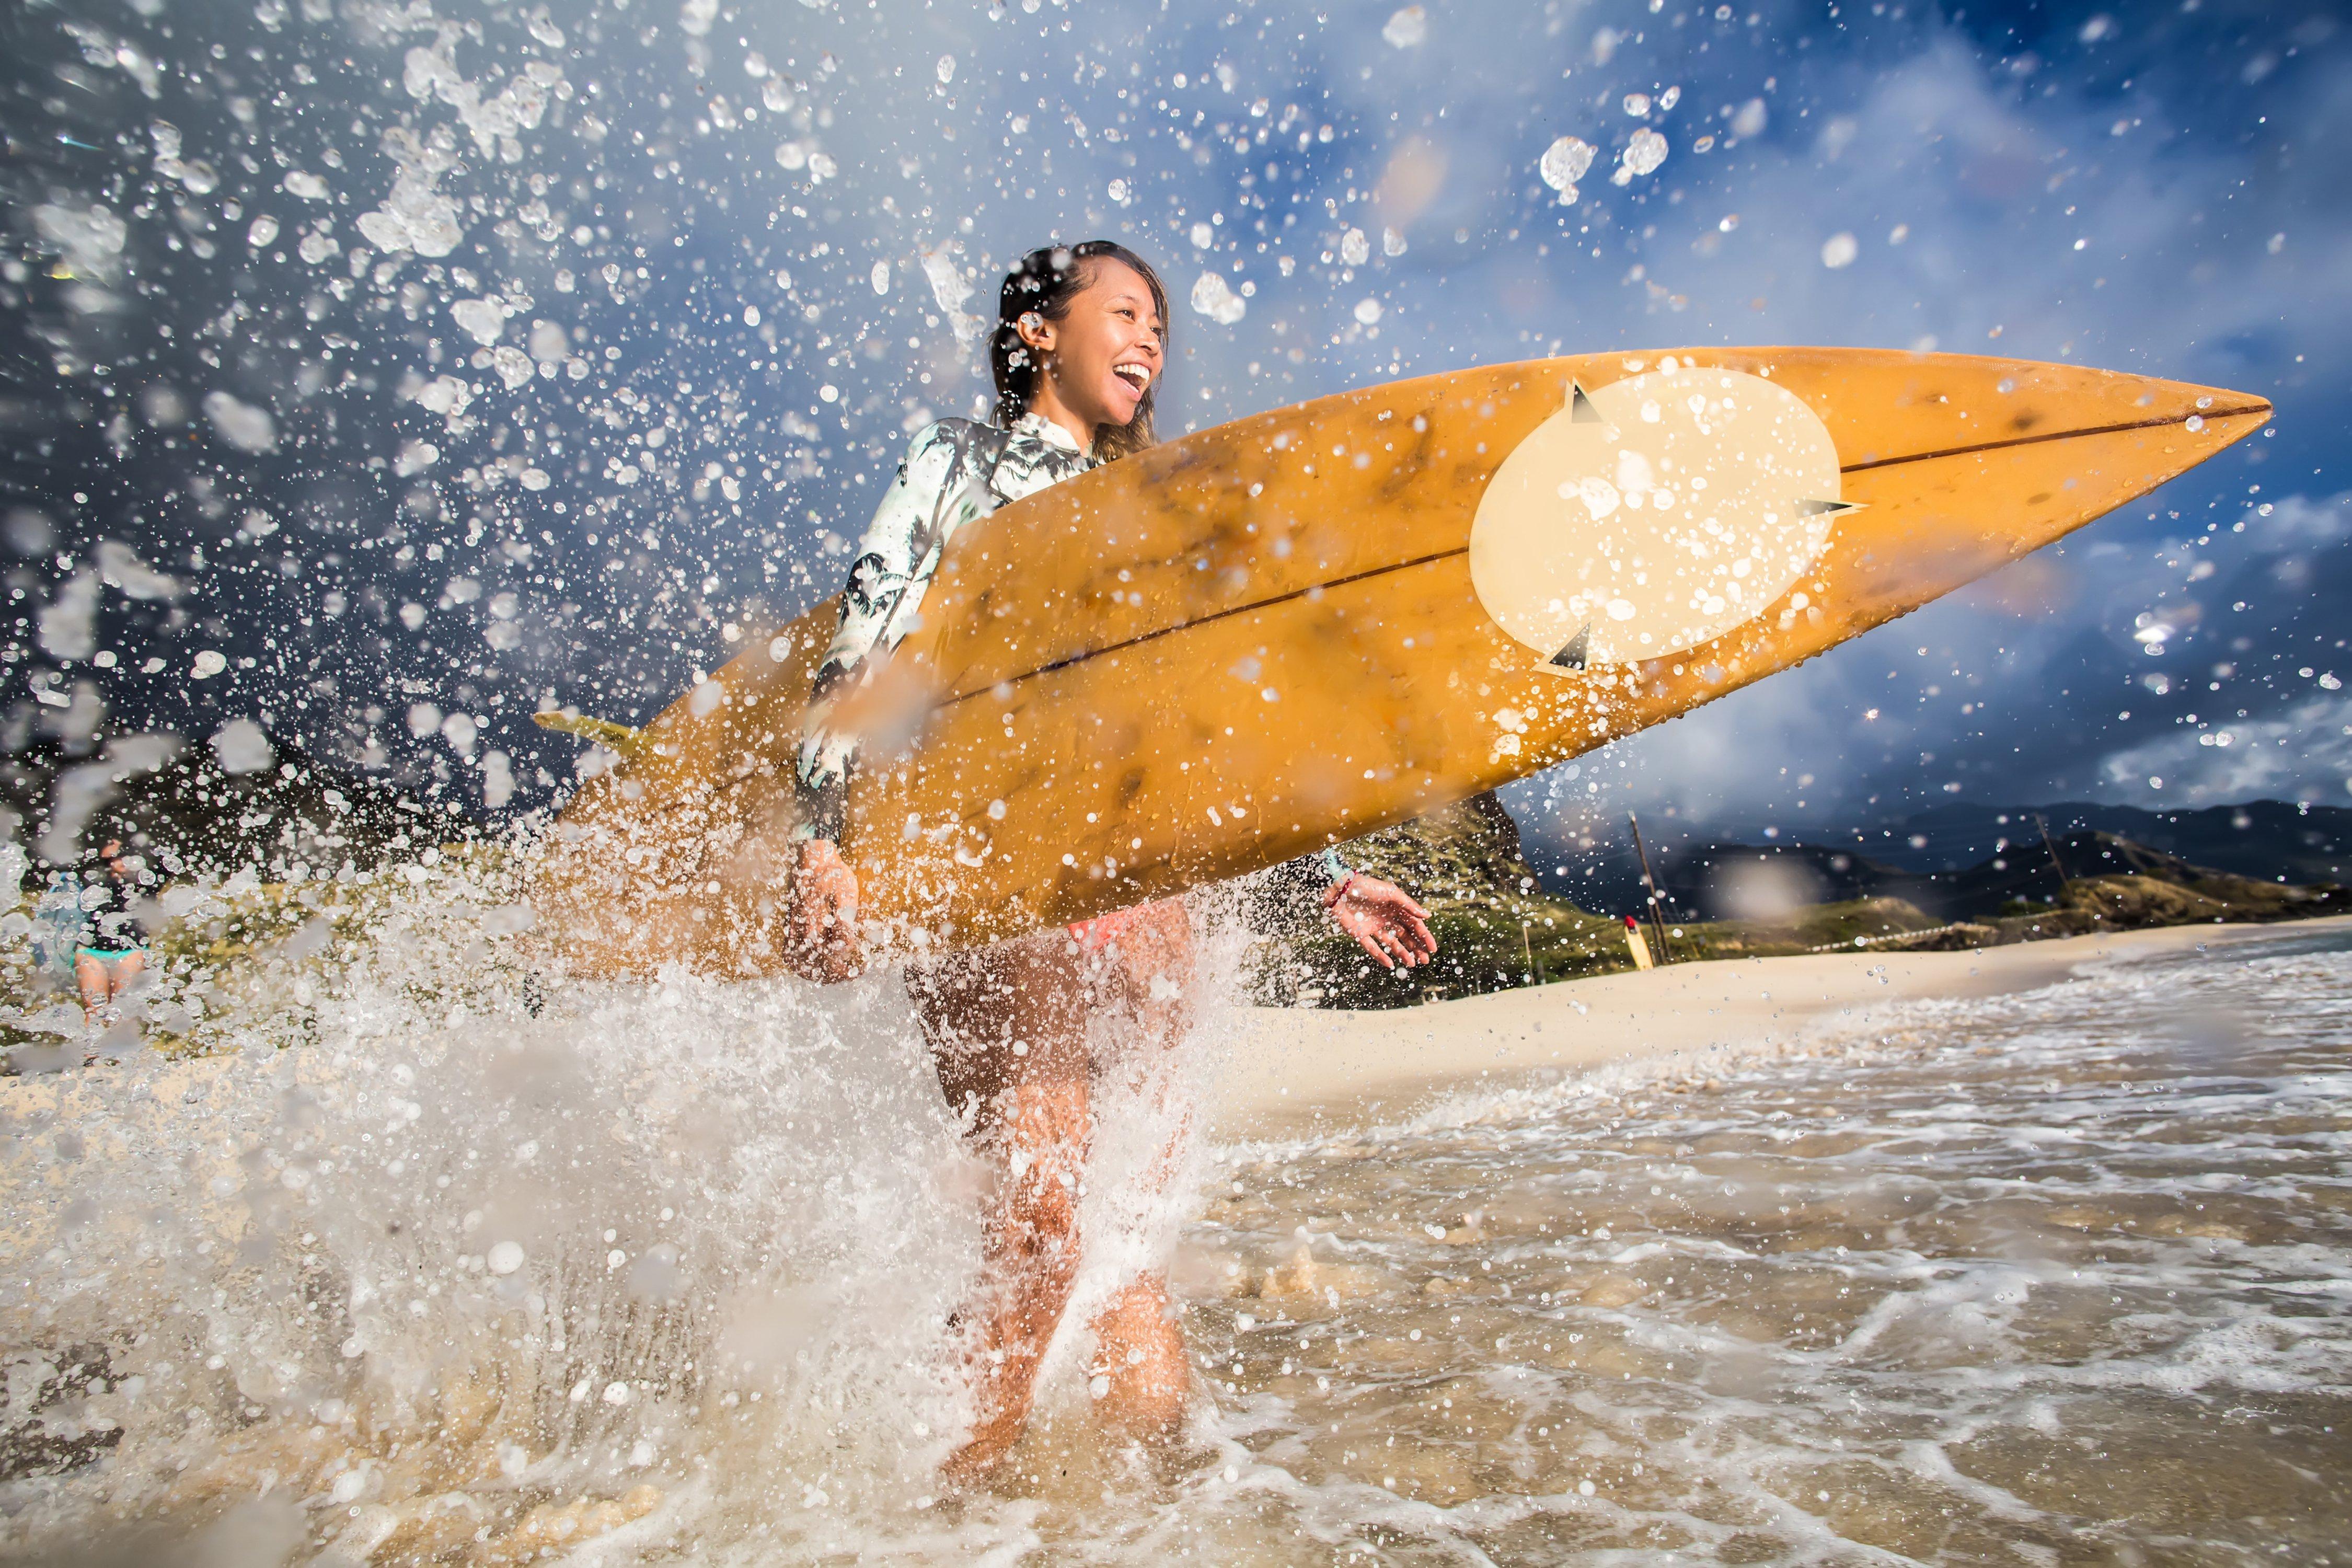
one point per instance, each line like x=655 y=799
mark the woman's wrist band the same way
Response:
x=1336 y=890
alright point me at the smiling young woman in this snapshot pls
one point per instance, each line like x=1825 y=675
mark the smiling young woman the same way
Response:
x=1017 y=1031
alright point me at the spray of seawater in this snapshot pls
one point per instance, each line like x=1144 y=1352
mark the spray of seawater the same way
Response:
x=434 y=1255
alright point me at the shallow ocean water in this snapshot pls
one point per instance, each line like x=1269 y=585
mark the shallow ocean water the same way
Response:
x=2061 y=1277
x=660 y=1275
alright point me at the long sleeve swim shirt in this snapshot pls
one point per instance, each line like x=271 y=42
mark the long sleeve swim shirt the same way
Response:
x=956 y=471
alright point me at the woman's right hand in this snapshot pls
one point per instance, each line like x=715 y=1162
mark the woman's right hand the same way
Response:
x=822 y=940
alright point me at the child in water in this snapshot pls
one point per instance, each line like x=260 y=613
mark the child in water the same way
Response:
x=111 y=949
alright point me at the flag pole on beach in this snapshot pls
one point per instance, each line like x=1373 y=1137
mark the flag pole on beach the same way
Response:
x=1657 y=895
x=2065 y=883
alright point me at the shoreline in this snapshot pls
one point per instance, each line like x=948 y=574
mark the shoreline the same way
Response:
x=1293 y=1072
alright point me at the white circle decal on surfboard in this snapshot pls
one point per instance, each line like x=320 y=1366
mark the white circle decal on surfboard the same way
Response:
x=1653 y=514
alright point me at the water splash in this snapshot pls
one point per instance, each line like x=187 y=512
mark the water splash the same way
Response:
x=456 y=1256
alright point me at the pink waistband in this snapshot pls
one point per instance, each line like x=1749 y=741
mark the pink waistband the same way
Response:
x=1094 y=935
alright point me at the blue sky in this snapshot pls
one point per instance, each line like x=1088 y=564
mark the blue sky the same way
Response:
x=687 y=246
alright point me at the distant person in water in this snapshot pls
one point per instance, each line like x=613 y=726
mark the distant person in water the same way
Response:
x=1080 y=343
x=112 y=947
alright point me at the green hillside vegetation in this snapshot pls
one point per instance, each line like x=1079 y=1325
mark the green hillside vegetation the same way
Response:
x=1498 y=929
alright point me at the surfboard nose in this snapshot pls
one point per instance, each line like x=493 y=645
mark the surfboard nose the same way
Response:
x=2188 y=424
x=1992 y=458
x=2197 y=421
x=1885 y=408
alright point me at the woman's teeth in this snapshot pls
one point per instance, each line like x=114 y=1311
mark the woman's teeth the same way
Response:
x=1137 y=374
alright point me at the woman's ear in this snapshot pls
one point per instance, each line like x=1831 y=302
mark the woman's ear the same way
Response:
x=1036 y=331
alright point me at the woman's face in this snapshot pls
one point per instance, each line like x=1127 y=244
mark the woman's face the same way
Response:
x=1105 y=354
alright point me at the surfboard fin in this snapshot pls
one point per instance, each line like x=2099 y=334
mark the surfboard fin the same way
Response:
x=1821 y=508
x=1581 y=410
x=622 y=737
x=1572 y=657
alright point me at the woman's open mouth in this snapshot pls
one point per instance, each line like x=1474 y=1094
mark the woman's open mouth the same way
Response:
x=1135 y=375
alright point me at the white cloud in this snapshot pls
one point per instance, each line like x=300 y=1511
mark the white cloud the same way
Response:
x=2306 y=750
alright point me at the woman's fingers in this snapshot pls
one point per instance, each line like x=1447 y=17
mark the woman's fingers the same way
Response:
x=1386 y=927
x=1410 y=924
x=1389 y=892
x=1387 y=923
x=1393 y=940
x=1421 y=937
x=821 y=925
x=816 y=917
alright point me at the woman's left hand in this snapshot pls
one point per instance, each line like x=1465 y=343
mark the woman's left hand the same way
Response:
x=1384 y=919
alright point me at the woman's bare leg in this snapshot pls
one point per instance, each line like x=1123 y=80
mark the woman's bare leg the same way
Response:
x=123 y=971
x=1007 y=1030
x=1008 y=1034
x=1147 y=977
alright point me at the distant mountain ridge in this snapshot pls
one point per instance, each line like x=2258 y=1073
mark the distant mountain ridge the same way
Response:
x=2266 y=840
x=2263 y=838
x=1748 y=881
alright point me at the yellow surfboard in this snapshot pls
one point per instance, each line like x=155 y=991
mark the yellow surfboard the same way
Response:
x=1254 y=641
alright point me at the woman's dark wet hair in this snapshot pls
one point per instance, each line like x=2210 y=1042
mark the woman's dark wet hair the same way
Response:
x=1044 y=282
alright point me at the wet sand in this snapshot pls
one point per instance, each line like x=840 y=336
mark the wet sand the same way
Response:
x=1292 y=1070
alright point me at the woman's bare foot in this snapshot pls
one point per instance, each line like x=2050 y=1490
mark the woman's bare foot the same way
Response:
x=981 y=1454
x=1140 y=1379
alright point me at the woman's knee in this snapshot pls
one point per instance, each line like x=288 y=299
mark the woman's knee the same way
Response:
x=1154 y=969
x=1040 y=1217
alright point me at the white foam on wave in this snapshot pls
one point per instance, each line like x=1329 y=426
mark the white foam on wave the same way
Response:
x=1935 y=1263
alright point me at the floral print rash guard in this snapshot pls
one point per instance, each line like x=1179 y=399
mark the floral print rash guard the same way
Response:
x=957 y=470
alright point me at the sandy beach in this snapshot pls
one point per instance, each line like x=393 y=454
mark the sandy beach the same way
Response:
x=1293 y=1069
